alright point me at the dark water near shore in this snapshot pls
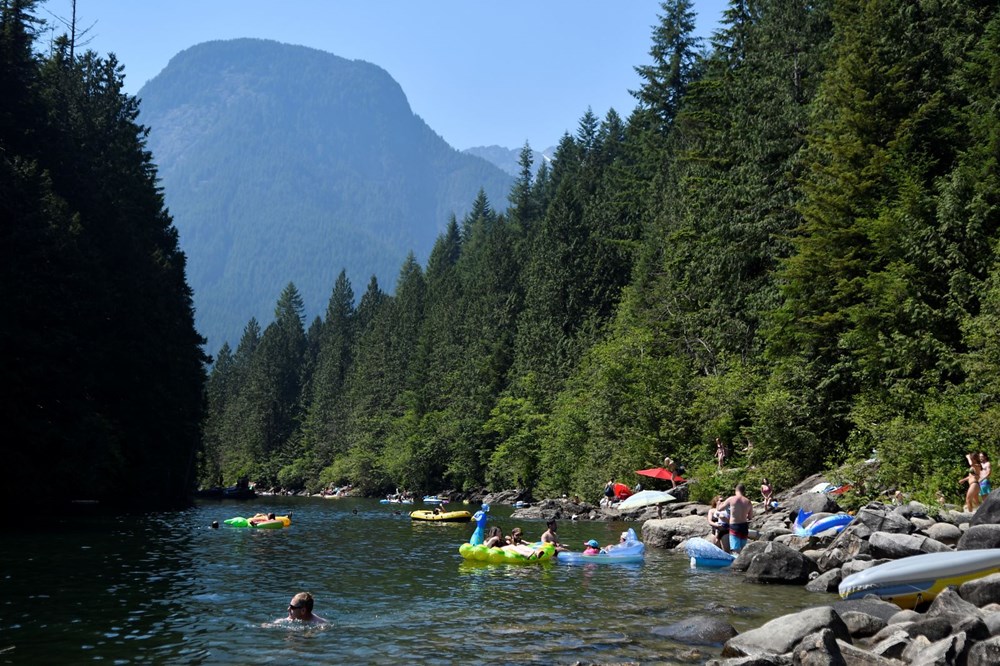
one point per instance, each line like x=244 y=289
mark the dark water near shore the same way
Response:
x=168 y=589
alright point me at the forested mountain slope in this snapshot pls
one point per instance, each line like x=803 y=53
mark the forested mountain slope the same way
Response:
x=284 y=163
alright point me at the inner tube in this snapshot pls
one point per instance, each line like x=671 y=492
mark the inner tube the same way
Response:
x=704 y=553
x=506 y=555
x=443 y=517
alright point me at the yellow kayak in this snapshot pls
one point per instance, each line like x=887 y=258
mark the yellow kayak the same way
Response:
x=443 y=517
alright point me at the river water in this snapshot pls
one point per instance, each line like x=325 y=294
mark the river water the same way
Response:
x=168 y=589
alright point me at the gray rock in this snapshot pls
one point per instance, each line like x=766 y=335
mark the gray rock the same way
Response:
x=955 y=517
x=981 y=591
x=855 y=656
x=814 y=555
x=698 y=630
x=913 y=509
x=916 y=646
x=984 y=653
x=889 y=631
x=947 y=602
x=856 y=565
x=828 y=582
x=945 y=651
x=759 y=660
x=931 y=628
x=922 y=524
x=818 y=649
x=782 y=634
x=853 y=540
x=892 y=646
x=906 y=615
x=946 y=533
x=813 y=503
x=778 y=563
x=988 y=512
x=992 y=620
x=668 y=532
x=980 y=537
x=862 y=625
x=895 y=546
x=746 y=556
x=883 y=610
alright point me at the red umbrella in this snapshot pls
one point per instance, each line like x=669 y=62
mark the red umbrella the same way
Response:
x=660 y=473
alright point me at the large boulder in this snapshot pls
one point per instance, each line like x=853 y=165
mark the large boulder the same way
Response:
x=698 y=630
x=984 y=653
x=884 y=610
x=981 y=591
x=895 y=546
x=950 y=603
x=980 y=537
x=812 y=503
x=778 y=563
x=819 y=648
x=669 y=532
x=853 y=540
x=782 y=634
x=946 y=533
x=912 y=510
x=827 y=582
x=988 y=512
x=750 y=551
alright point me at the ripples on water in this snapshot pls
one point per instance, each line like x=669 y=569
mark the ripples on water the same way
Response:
x=168 y=589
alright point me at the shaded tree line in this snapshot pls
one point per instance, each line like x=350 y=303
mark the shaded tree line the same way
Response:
x=103 y=391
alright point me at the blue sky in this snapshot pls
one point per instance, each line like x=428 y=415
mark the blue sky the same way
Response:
x=479 y=73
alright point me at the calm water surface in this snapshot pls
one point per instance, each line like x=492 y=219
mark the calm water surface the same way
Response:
x=168 y=589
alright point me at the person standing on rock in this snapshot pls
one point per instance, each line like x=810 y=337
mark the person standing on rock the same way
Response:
x=720 y=452
x=972 y=499
x=984 y=475
x=740 y=513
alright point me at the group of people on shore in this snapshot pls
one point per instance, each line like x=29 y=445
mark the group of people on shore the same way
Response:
x=977 y=478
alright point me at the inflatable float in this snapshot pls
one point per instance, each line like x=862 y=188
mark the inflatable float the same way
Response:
x=630 y=551
x=911 y=581
x=276 y=524
x=475 y=551
x=837 y=521
x=443 y=517
x=704 y=553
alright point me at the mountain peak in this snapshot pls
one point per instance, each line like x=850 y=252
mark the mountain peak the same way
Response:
x=285 y=163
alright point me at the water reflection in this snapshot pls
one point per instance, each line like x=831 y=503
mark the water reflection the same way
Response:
x=168 y=589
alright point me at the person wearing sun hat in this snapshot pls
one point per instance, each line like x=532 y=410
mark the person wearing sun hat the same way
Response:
x=592 y=547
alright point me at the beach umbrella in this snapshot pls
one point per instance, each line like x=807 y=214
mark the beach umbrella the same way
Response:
x=660 y=473
x=645 y=498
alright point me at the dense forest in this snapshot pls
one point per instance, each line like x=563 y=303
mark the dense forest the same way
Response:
x=103 y=371
x=790 y=244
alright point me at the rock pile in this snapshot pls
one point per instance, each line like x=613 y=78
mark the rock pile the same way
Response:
x=961 y=626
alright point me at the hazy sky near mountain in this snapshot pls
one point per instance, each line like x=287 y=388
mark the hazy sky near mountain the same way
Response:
x=478 y=72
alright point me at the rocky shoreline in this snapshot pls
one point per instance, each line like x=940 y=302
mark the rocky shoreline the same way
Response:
x=961 y=626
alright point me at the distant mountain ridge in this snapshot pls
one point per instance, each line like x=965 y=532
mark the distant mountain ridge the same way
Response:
x=509 y=159
x=283 y=163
